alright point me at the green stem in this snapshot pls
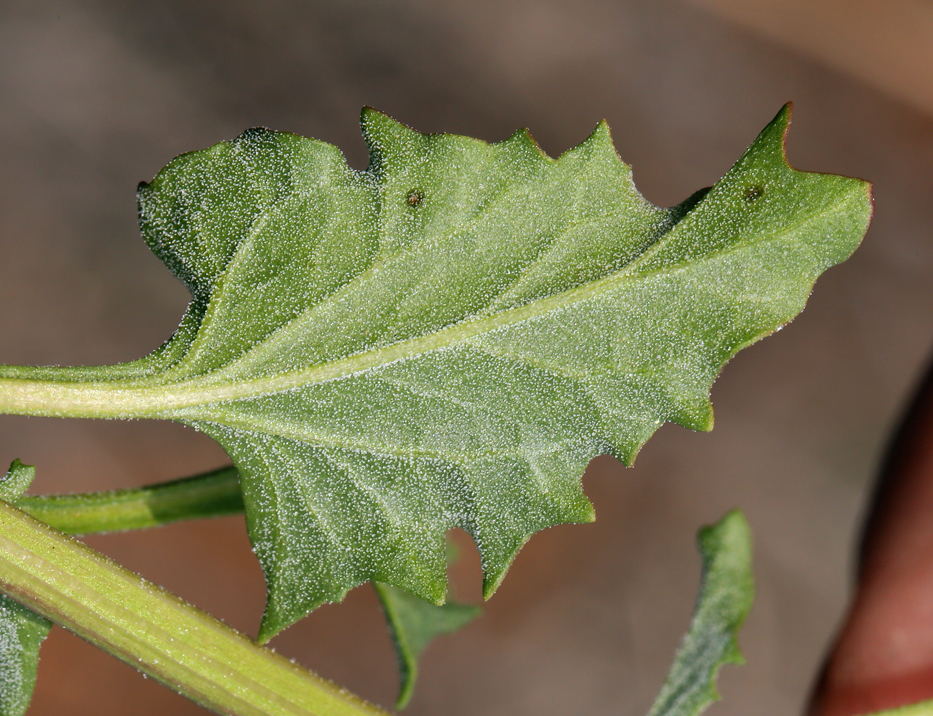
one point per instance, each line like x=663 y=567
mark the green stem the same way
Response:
x=155 y=631
x=70 y=399
x=211 y=494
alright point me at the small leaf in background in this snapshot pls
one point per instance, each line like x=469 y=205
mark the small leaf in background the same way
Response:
x=727 y=589
x=413 y=624
x=21 y=630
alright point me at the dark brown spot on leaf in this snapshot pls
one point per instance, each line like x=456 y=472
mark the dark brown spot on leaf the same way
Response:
x=754 y=192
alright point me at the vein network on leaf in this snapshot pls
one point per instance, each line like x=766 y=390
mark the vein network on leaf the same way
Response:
x=447 y=338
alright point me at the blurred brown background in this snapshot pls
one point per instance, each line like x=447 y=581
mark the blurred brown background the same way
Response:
x=95 y=96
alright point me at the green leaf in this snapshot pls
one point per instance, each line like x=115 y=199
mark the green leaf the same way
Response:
x=17 y=480
x=727 y=590
x=447 y=338
x=414 y=623
x=21 y=630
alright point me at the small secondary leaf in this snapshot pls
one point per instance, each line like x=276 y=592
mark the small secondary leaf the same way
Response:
x=21 y=630
x=16 y=481
x=414 y=623
x=727 y=589
x=447 y=338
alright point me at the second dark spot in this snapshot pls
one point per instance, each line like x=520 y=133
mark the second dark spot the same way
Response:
x=754 y=192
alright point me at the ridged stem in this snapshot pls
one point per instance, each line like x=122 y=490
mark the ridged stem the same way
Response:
x=154 y=631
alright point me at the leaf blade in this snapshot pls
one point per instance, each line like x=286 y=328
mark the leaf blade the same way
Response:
x=726 y=593
x=22 y=631
x=413 y=624
x=447 y=339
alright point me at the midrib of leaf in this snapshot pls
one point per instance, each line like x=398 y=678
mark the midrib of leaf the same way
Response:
x=385 y=258
x=727 y=250
x=339 y=441
x=218 y=295
x=118 y=400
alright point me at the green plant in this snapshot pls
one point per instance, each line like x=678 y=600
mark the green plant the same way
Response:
x=443 y=340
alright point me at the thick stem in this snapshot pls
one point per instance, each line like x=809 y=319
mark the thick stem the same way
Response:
x=154 y=631
x=211 y=494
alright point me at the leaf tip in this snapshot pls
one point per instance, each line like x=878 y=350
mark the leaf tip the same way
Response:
x=600 y=142
x=279 y=615
x=406 y=691
x=870 y=198
x=522 y=138
x=18 y=464
x=370 y=114
x=379 y=127
x=266 y=632
x=773 y=138
x=706 y=423
x=731 y=529
x=782 y=119
x=491 y=583
x=602 y=132
x=495 y=569
x=627 y=455
x=17 y=480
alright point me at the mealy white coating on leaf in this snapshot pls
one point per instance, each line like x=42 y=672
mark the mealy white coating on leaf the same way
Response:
x=446 y=339
x=21 y=633
x=726 y=593
x=11 y=660
x=16 y=677
x=16 y=481
x=21 y=630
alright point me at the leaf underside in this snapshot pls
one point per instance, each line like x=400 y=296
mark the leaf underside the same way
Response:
x=727 y=590
x=22 y=631
x=448 y=338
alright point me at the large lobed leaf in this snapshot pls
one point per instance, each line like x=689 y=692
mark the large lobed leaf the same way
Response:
x=448 y=338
